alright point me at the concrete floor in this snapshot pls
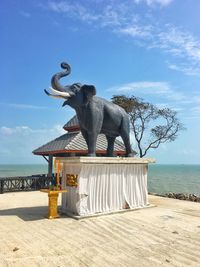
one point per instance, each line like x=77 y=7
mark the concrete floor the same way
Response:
x=165 y=235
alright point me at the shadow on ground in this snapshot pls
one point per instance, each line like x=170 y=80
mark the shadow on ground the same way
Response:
x=27 y=213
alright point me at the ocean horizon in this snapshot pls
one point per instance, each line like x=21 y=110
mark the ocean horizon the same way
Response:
x=162 y=178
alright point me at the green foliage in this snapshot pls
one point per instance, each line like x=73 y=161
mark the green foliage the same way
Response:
x=151 y=125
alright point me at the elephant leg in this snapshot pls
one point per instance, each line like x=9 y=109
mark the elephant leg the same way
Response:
x=125 y=129
x=92 y=139
x=110 y=148
x=126 y=139
x=85 y=136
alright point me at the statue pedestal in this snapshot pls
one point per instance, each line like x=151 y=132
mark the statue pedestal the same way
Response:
x=103 y=185
x=53 y=202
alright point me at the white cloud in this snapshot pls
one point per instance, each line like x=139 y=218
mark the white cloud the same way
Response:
x=75 y=10
x=168 y=39
x=187 y=105
x=6 y=130
x=17 y=143
x=122 y=18
x=18 y=129
x=110 y=17
x=24 y=130
x=26 y=106
x=25 y=14
x=59 y=129
x=179 y=43
x=196 y=110
x=149 y=88
x=23 y=106
x=137 y=31
x=175 y=42
x=188 y=70
x=155 y=2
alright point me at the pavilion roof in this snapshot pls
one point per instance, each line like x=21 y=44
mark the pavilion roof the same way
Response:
x=72 y=125
x=73 y=142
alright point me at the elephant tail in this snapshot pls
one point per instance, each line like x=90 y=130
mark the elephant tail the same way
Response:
x=55 y=79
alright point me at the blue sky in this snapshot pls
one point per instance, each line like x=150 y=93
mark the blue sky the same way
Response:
x=146 y=48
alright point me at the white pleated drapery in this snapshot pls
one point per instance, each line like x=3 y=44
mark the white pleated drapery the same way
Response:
x=105 y=188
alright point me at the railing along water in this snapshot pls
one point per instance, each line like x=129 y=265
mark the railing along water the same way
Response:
x=25 y=183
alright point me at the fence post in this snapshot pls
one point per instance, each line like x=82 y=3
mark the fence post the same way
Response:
x=22 y=187
x=1 y=186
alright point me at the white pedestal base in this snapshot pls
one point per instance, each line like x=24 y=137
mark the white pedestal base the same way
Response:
x=104 y=185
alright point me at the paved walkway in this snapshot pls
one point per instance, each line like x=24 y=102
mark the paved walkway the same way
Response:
x=166 y=235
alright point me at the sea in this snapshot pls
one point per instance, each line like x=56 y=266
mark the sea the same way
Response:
x=162 y=178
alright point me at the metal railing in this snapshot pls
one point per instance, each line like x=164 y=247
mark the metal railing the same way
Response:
x=26 y=183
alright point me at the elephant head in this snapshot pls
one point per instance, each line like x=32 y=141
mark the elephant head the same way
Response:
x=75 y=95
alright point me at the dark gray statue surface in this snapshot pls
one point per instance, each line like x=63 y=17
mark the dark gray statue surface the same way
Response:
x=96 y=115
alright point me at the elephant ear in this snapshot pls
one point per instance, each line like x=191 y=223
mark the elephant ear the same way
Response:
x=88 y=91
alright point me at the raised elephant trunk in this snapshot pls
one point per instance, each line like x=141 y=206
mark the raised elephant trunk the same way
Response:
x=55 y=79
x=59 y=90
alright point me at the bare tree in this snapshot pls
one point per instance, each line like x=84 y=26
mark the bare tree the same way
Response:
x=151 y=126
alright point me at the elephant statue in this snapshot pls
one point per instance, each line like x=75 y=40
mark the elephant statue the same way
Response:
x=96 y=115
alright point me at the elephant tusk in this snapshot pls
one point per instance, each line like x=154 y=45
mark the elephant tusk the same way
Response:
x=64 y=94
x=55 y=96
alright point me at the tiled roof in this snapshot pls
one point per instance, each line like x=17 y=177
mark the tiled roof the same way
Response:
x=74 y=142
x=57 y=144
x=78 y=143
x=72 y=124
